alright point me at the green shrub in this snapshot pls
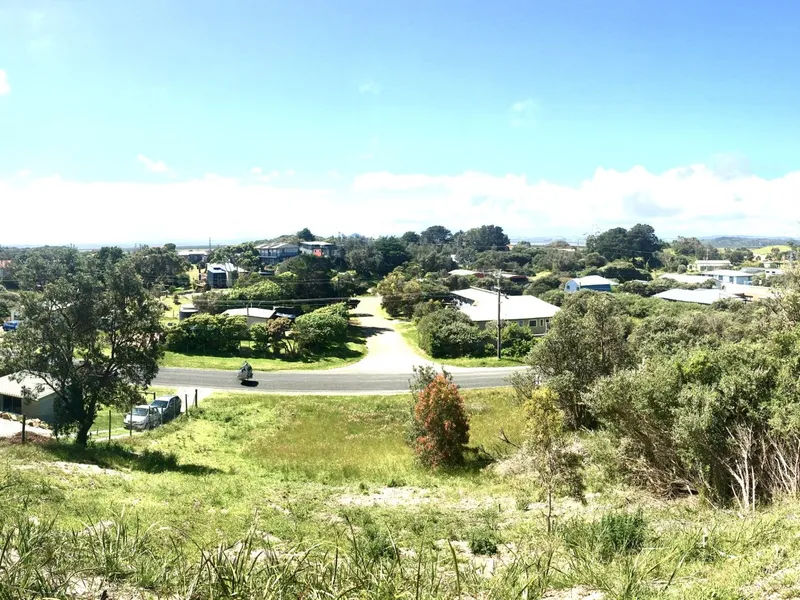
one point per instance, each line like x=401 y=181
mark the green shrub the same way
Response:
x=449 y=333
x=517 y=341
x=208 y=334
x=270 y=336
x=423 y=309
x=615 y=534
x=319 y=331
x=483 y=542
x=339 y=309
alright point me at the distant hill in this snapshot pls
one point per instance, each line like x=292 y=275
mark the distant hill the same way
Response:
x=746 y=241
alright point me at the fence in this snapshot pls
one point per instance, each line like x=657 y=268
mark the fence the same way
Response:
x=110 y=422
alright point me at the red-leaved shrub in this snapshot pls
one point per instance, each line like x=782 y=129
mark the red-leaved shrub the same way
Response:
x=441 y=424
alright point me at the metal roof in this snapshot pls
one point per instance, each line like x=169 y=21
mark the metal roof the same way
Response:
x=729 y=273
x=259 y=313
x=696 y=296
x=512 y=308
x=9 y=387
x=592 y=280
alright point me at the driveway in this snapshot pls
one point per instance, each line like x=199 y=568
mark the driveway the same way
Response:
x=387 y=350
x=12 y=428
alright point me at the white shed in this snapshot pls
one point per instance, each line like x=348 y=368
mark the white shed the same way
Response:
x=12 y=398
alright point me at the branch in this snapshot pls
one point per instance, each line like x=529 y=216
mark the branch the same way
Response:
x=504 y=438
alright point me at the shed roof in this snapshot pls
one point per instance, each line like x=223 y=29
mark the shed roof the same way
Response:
x=696 y=296
x=13 y=388
x=691 y=279
x=729 y=273
x=592 y=280
x=259 y=313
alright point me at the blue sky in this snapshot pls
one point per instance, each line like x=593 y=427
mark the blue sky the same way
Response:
x=545 y=117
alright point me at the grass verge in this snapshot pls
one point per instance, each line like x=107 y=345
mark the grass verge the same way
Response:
x=409 y=333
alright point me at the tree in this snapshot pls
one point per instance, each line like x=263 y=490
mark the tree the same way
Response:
x=691 y=247
x=392 y=253
x=158 y=267
x=270 y=336
x=400 y=293
x=548 y=452
x=587 y=340
x=305 y=235
x=36 y=267
x=449 y=333
x=611 y=244
x=485 y=237
x=436 y=235
x=318 y=331
x=643 y=242
x=311 y=276
x=410 y=237
x=92 y=335
x=443 y=424
x=541 y=285
x=208 y=334
x=245 y=256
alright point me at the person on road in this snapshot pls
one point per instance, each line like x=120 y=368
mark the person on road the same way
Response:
x=247 y=369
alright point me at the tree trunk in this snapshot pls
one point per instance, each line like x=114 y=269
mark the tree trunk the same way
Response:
x=82 y=435
x=549 y=509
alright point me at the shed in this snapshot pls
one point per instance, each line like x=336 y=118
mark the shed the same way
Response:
x=186 y=311
x=696 y=296
x=590 y=282
x=254 y=315
x=12 y=398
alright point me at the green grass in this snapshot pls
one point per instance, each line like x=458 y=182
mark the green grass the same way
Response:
x=409 y=333
x=354 y=351
x=258 y=496
x=768 y=249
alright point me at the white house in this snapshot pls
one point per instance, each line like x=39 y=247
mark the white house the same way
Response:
x=696 y=296
x=728 y=276
x=12 y=398
x=701 y=266
x=481 y=307
x=254 y=315
x=591 y=282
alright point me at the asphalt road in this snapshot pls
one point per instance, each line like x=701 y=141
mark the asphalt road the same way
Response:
x=321 y=382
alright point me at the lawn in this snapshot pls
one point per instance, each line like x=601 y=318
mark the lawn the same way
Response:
x=315 y=497
x=409 y=333
x=768 y=249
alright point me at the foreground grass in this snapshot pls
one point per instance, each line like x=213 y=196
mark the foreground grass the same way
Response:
x=255 y=496
x=409 y=333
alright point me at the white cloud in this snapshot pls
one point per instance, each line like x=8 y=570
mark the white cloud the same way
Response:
x=689 y=200
x=5 y=87
x=24 y=174
x=152 y=165
x=268 y=176
x=256 y=170
x=289 y=173
x=369 y=88
x=523 y=113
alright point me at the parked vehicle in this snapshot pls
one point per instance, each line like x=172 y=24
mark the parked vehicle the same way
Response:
x=11 y=325
x=168 y=407
x=142 y=417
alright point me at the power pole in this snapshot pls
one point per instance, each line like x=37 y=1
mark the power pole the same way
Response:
x=498 y=315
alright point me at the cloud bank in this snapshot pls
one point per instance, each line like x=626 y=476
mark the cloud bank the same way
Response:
x=691 y=200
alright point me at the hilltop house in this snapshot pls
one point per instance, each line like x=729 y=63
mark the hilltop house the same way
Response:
x=527 y=311
x=729 y=276
x=275 y=253
x=194 y=256
x=591 y=282
x=702 y=266
x=325 y=249
x=221 y=275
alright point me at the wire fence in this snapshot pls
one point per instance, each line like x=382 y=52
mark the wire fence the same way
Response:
x=113 y=423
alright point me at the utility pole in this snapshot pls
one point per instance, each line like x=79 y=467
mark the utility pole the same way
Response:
x=498 y=315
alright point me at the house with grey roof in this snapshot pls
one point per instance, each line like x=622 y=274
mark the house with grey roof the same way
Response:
x=527 y=311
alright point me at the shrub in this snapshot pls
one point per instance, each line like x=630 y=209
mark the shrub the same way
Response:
x=319 y=331
x=208 y=334
x=483 y=542
x=270 y=336
x=449 y=333
x=423 y=309
x=442 y=423
x=339 y=309
x=614 y=534
x=517 y=341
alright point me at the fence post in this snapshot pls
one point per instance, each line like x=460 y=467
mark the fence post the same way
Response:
x=109 y=425
x=23 y=429
x=131 y=422
x=195 y=396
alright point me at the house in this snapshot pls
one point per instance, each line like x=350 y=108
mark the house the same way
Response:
x=276 y=253
x=221 y=275
x=728 y=276
x=325 y=249
x=186 y=311
x=750 y=292
x=527 y=311
x=701 y=266
x=771 y=272
x=696 y=296
x=12 y=398
x=592 y=282
x=254 y=315
x=689 y=279
x=464 y=273
x=194 y=256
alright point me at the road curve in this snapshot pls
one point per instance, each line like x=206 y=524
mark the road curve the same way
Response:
x=322 y=382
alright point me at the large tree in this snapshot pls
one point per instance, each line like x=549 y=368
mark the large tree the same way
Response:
x=92 y=336
x=485 y=237
x=307 y=275
x=437 y=235
x=36 y=267
x=392 y=252
x=158 y=266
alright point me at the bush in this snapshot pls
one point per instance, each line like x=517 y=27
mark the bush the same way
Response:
x=319 y=331
x=443 y=424
x=517 y=341
x=339 y=309
x=554 y=297
x=623 y=271
x=270 y=336
x=449 y=333
x=483 y=542
x=208 y=334
x=613 y=535
x=423 y=309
